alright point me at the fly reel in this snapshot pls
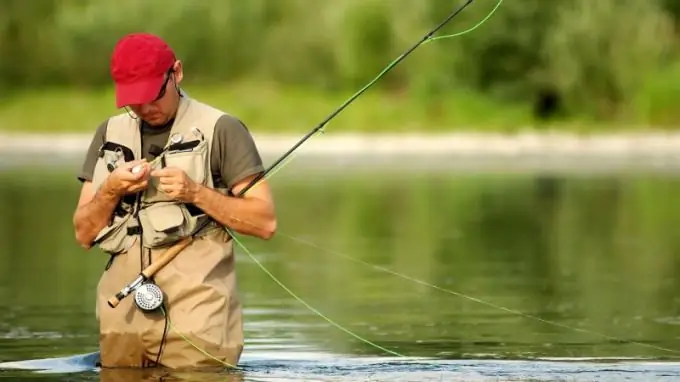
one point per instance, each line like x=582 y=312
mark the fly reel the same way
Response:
x=148 y=297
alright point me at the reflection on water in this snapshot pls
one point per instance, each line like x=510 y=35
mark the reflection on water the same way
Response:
x=596 y=256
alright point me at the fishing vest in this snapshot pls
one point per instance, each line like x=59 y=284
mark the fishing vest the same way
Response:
x=152 y=215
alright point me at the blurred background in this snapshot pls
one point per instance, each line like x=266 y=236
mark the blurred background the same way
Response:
x=570 y=215
x=606 y=65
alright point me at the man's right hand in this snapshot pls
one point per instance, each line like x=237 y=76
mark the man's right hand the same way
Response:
x=123 y=181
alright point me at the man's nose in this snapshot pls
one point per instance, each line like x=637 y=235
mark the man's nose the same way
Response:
x=144 y=108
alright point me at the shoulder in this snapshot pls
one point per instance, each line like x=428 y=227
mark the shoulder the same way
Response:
x=230 y=131
x=235 y=155
x=92 y=152
x=228 y=123
x=100 y=132
x=124 y=116
x=103 y=126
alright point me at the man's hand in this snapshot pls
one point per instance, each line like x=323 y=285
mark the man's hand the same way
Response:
x=96 y=206
x=176 y=184
x=124 y=181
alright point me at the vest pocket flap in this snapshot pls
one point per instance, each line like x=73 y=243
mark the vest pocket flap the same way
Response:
x=162 y=217
x=114 y=239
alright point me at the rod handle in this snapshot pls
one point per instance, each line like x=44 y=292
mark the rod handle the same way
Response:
x=151 y=270
x=166 y=257
x=114 y=301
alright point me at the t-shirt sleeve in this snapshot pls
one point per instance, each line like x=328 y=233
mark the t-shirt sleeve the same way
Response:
x=87 y=169
x=235 y=155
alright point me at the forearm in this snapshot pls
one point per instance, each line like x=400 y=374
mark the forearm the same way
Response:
x=90 y=218
x=251 y=216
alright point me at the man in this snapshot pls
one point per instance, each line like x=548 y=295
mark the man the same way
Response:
x=151 y=177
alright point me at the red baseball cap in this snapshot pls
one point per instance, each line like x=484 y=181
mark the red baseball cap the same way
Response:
x=139 y=64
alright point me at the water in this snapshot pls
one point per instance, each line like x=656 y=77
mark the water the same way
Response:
x=595 y=257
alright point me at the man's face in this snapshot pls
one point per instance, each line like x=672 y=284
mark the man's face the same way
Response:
x=163 y=108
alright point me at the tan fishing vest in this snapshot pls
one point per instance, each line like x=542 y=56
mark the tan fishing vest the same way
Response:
x=159 y=220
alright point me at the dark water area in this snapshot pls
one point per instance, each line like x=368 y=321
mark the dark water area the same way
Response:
x=465 y=276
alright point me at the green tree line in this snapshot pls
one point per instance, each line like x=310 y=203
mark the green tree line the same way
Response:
x=603 y=59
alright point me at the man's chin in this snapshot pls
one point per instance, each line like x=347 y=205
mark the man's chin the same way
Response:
x=155 y=122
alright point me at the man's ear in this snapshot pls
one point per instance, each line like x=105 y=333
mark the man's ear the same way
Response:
x=178 y=72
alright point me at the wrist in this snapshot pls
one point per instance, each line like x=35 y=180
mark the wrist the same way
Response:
x=108 y=190
x=198 y=194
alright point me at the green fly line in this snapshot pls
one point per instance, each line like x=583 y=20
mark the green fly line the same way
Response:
x=384 y=269
x=387 y=69
x=286 y=161
x=471 y=298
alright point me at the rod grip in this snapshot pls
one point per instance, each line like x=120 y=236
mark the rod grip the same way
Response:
x=166 y=257
x=114 y=301
x=151 y=270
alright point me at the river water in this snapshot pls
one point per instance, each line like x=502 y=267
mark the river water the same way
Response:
x=465 y=275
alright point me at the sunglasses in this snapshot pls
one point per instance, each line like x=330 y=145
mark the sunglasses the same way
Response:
x=161 y=93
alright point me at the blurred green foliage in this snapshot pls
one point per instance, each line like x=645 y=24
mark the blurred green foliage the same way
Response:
x=604 y=60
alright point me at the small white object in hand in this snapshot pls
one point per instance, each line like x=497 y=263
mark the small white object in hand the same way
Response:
x=137 y=169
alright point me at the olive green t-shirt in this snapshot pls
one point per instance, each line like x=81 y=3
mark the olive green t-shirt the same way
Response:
x=234 y=154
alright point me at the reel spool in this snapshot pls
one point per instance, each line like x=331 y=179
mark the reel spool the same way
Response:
x=148 y=297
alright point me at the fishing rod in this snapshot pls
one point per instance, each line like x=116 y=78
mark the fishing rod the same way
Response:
x=149 y=297
x=144 y=277
x=356 y=95
x=141 y=279
x=146 y=274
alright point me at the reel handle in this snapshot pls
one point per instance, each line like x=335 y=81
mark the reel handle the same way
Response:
x=151 y=270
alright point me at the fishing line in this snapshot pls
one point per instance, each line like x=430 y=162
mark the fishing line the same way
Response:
x=319 y=128
x=326 y=318
x=428 y=38
x=471 y=298
x=285 y=158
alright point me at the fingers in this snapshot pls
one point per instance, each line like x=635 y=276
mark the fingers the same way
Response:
x=136 y=187
x=165 y=172
x=141 y=171
x=129 y=165
x=167 y=180
x=135 y=179
x=168 y=175
x=170 y=187
x=131 y=172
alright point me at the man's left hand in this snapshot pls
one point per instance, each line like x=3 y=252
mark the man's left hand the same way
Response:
x=176 y=184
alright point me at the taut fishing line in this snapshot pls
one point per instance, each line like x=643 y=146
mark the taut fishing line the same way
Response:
x=285 y=158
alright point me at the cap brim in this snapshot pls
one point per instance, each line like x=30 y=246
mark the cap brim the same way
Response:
x=137 y=93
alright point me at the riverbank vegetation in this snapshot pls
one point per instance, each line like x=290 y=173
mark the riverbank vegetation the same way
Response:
x=285 y=65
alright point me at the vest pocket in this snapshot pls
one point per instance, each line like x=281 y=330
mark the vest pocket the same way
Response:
x=193 y=162
x=114 y=238
x=162 y=223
